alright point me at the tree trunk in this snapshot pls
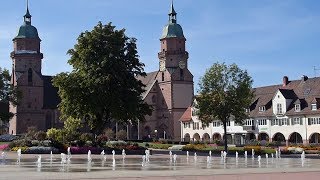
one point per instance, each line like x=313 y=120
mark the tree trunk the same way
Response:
x=225 y=136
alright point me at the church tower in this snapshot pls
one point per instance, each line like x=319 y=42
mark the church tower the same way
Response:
x=26 y=76
x=174 y=78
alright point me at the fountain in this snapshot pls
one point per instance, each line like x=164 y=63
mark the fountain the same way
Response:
x=147 y=153
x=103 y=155
x=174 y=159
x=89 y=156
x=123 y=154
x=170 y=156
x=245 y=154
x=63 y=158
x=259 y=160
x=19 y=156
x=195 y=157
x=68 y=154
x=3 y=157
x=277 y=155
x=252 y=153
x=39 y=161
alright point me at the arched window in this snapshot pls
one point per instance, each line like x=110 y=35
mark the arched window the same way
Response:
x=181 y=75
x=30 y=75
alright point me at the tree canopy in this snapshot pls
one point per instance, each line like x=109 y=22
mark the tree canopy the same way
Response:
x=7 y=94
x=225 y=92
x=102 y=85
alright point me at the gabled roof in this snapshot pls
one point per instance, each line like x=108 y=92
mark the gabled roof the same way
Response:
x=187 y=115
x=148 y=80
x=288 y=93
x=304 y=91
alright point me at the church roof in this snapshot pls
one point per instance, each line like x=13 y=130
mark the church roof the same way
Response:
x=27 y=30
x=148 y=81
x=172 y=29
x=51 y=98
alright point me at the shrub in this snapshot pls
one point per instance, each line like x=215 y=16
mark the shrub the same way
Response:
x=40 y=135
x=4 y=147
x=8 y=138
x=193 y=147
x=84 y=150
x=122 y=135
x=102 y=139
x=109 y=133
x=35 y=143
x=159 y=146
x=23 y=148
x=20 y=143
x=86 y=137
x=41 y=150
x=46 y=143
x=56 y=134
x=257 y=149
x=31 y=131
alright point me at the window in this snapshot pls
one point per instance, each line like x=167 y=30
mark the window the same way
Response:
x=247 y=110
x=312 y=121
x=181 y=75
x=196 y=126
x=216 y=123
x=249 y=122
x=279 y=108
x=313 y=107
x=228 y=123
x=186 y=125
x=297 y=108
x=296 y=120
x=262 y=122
x=30 y=75
x=162 y=76
x=194 y=112
x=262 y=108
x=280 y=122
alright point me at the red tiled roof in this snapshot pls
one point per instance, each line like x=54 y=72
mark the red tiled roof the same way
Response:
x=186 y=117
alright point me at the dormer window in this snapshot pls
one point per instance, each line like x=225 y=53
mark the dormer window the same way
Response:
x=279 y=108
x=313 y=107
x=297 y=108
x=262 y=108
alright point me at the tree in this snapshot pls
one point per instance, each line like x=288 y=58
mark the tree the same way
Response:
x=8 y=94
x=102 y=85
x=225 y=92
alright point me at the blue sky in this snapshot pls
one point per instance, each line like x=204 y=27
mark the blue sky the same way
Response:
x=269 y=38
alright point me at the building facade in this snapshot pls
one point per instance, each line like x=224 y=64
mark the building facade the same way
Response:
x=286 y=114
x=169 y=89
x=38 y=106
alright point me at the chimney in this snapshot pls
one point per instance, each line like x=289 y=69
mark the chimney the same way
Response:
x=304 y=78
x=285 y=81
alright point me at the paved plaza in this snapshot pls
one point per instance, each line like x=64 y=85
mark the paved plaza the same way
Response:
x=159 y=167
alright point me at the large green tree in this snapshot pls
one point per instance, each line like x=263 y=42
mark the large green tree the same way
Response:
x=102 y=85
x=225 y=92
x=8 y=93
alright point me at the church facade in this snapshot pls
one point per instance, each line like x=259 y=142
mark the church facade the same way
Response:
x=38 y=105
x=169 y=89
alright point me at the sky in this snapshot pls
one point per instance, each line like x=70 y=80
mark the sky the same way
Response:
x=268 y=38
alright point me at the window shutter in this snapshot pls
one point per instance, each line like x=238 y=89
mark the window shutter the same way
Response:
x=292 y=122
x=288 y=122
x=301 y=123
x=309 y=121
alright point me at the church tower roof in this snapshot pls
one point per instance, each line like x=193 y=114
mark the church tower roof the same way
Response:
x=172 y=29
x=27 y=30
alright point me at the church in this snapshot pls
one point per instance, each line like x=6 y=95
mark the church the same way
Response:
x=169 y=90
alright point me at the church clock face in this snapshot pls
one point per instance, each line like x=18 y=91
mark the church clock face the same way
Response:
x=162 y=65
x=182 y=64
